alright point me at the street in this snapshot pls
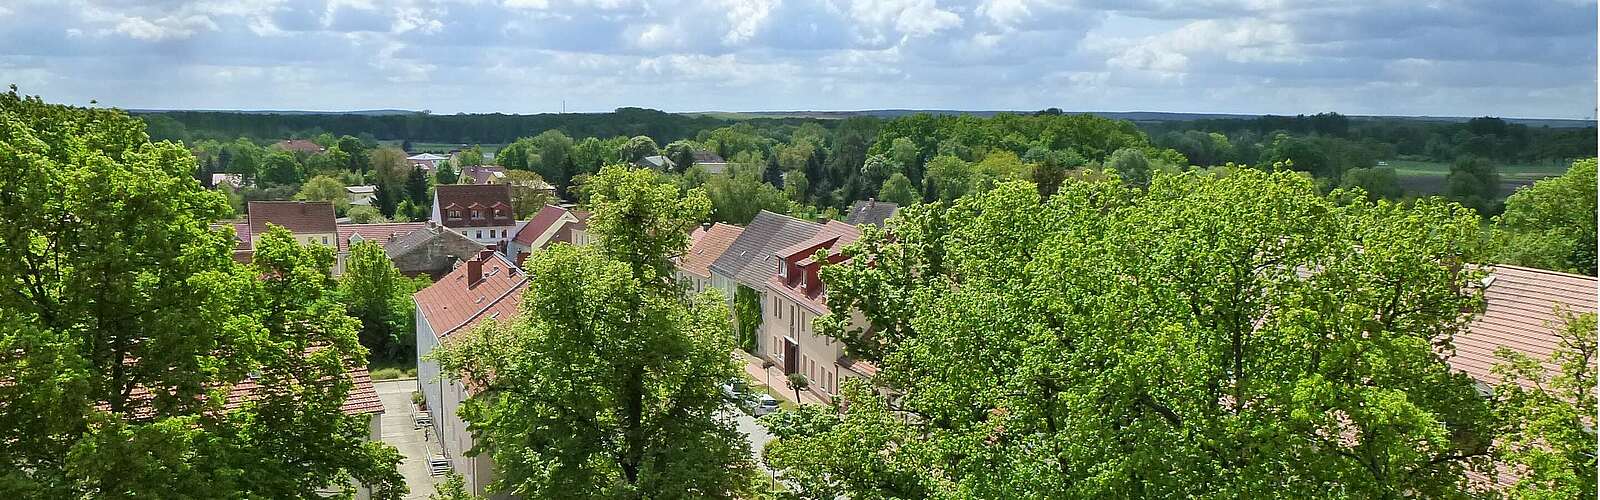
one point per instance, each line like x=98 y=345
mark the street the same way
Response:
x=398 y=432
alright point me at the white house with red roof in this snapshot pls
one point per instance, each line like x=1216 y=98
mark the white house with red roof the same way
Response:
x=482 y=212
x=487 y=287
x=551 y=225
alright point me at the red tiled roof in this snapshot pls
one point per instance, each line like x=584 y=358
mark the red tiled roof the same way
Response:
x=300 y=217
x=379 y=233
x=468 y=195
x=299 y=145
x=452 y=304
x=708 y=244
x=1519 y=314
x=541 y=222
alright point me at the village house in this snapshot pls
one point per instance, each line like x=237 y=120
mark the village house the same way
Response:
x=299 y=146
x=706 y=244
x=432 y=250
x=656 y=162
x=552 y=224
x=774 y=256
x=480 y=212
x=380 y=233
x=361 y=195
x=427 y=161
x=870 y=211
x=483 y=174
x=487 y=287
x=308 y=221
x=234 y=181
x=710 y=162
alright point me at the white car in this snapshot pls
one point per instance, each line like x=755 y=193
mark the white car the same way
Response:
x=766 y=404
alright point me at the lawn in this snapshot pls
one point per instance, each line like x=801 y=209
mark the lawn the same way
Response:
x=1427 y=177
x=389 y=370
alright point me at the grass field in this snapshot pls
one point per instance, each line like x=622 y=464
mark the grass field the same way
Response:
x=1427 y=177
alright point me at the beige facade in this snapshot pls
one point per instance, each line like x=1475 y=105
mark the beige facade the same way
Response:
x=788 y=331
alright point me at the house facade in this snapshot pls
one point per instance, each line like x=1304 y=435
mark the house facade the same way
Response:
x=487 y=287
x=540 y=231
x=361 y=195
x=706 y=244
x=480 y=212
x=795 y=297
x=311 y=222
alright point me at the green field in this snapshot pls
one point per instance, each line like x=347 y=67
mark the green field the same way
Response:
x=1427 y=177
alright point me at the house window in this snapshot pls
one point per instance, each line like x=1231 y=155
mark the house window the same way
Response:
x=477 y=214
x=498 y=214
x=324 y=240
x=455 y=214
x=479 y=234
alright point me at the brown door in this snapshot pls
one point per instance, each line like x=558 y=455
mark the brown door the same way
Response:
x=791 y=356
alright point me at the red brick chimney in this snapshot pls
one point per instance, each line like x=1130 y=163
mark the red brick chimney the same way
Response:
x=474 y=271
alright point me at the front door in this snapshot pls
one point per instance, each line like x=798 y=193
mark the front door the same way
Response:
x=791 y=356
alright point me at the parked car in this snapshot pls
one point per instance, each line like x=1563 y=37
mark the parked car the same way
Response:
x=764 y=405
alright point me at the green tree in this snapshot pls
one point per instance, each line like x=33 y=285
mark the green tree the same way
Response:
x=796 y=186
x=446 y=174
x=1231 y=336
x=899 y=190
x=1551 y=224
x=554 y=159
x=639 y=147
x=325 y=188
x=281 y=168
x=878 y=168
x=1475 y=183
x=1549 y=414
x=1380 y=183
x=948 y=178
x=358 y=154
x=374 y=292
x=681 y=153
x=364 y=214
x=737 y=199
x=470 y=157
x=797 y=382
x=417 y=188
x=529 y=192
x=606 y=385
x=126 y=324
x=1131 y=165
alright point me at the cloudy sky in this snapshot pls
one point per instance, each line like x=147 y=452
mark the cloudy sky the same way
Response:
x=1521 y=58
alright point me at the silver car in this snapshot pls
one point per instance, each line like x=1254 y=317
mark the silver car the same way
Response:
x=764 y=405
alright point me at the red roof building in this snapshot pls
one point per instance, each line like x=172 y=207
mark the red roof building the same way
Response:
x=299 y=146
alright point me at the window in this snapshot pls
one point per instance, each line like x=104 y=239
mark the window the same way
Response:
x=324 y=240
x=479 y=234
x=477 y=214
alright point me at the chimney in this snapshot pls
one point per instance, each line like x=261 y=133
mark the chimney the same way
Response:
x=474 y=271
x=485 y=254
x=705 y=226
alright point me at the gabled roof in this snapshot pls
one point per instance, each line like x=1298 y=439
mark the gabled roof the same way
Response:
x=749 y=259
x=656 y=161
x=708 y=244
x=451 y=304
x=483 y=195
x=548 y=218
x=870 y=212
x=564 y=235
x=380 y=233
x=369 y=189
x=483 y=174
x=299 y=145
x=1519 y=314
x=300 y=217
x=427 y=157
x=704 y=156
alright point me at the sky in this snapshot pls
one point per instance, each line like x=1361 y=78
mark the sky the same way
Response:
x=1512 y=58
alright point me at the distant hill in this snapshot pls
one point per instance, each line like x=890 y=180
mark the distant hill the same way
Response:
x=1135 y=116
x=362 y=112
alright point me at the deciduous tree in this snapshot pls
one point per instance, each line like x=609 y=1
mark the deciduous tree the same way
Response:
x=1549 y=414
x=1551 y=224
x=1217 y=337
x=607 y=383
x=126 y=324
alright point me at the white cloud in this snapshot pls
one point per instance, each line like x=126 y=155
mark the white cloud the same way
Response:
x=163 y=28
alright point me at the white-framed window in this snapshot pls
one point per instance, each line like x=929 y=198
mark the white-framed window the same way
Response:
x=324 y=240
x=455 y=214
x=479 y=234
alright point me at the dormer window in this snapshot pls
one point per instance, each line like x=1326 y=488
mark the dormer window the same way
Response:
x=455 y=214
x=477 y=215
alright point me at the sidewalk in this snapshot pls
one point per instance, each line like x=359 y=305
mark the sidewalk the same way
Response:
x=773 y=377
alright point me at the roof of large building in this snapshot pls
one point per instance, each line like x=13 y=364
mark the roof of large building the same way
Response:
x=301 y=217
x=426 y=157
x=749 y=259
x=361 y=400
x=870 y=212
x=483 y=174
x=379 y=233
x=467 y=197
x=704 y=156
x=706 y=244
x=656 y=161
x=565 y=234
x=833 y=235
x=542 y=222
x=452 y=304
x=1520 y=314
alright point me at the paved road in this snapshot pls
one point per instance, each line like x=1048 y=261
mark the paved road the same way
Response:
x=755 y=433
x=397 y=431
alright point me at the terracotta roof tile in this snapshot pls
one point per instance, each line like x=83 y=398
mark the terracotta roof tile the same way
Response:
x=300 y=217
x=451 y=304
x=541 y=222
x=708 y=245
x=1520 y=314
x=379 y=233
x=481 y=195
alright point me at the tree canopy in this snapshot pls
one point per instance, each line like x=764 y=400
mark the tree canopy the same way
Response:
x=1220 y=336
x=127 y=324
x=1551 y=224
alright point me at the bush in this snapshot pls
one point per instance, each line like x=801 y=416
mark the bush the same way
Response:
x=387 y=374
